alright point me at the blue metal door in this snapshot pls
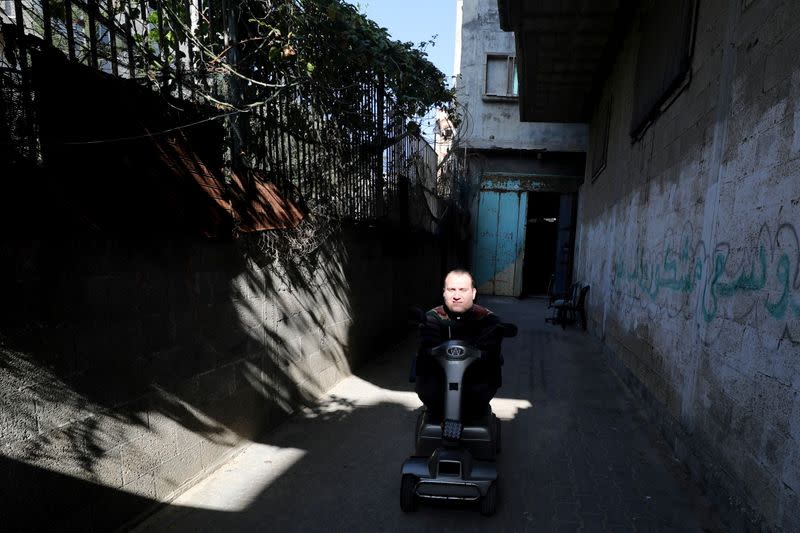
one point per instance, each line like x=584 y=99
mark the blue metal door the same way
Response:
x=500 y=242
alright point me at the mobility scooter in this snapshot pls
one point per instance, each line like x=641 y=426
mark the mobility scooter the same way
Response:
x=454 y=458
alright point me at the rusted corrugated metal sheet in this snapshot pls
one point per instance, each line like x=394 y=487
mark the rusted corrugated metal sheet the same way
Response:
x=259 y=206
x=123 y=160
x=264 y=208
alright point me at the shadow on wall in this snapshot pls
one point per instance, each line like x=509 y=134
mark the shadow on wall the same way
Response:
x=127 y=369
x=57 y=502
x=129 y=366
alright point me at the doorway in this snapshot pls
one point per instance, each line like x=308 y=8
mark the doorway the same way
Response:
x=541 y=241
x=499 y=242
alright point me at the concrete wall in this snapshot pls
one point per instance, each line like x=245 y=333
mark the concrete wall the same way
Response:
x=690 y=239
x=490 y=123
x=130 y=369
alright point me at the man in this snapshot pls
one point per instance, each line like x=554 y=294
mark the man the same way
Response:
x=460 y=318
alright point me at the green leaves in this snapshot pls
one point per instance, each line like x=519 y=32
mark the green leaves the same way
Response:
x=274 y=54
x=327 y=48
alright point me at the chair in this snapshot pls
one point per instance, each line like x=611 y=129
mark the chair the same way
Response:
x=551 y=296
x=559 y=305
x=571 y=310
x=579 y=310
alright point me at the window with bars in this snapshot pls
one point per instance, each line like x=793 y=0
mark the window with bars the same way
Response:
x=663 y=67
x=501 y=76
x=598 y=139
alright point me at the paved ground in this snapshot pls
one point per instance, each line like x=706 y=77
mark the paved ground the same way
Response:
x=576 y=455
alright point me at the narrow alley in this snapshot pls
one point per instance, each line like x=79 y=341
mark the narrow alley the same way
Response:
x=576 y=456
x=216 y=215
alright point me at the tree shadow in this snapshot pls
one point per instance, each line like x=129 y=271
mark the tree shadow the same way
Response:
x=137 y=353
x=121 y=357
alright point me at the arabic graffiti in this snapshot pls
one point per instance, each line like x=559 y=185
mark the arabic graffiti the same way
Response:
x=678 y=272
x=764 y=275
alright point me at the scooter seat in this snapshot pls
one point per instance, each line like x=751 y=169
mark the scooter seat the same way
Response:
x=475 y=436
x=482 y=419
x=468 y=432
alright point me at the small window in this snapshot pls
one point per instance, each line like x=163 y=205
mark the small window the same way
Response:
x=501 y=76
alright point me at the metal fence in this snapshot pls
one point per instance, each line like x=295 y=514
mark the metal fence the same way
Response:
x=121 y=37
x=366 y=169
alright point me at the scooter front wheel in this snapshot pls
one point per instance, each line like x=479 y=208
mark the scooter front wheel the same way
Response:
x=408 y=496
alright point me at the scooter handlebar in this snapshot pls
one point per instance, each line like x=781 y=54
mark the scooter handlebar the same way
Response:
x=415 y=316
x=508 y=329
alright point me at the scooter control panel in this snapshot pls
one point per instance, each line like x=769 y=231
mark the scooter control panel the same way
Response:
x=451 y=429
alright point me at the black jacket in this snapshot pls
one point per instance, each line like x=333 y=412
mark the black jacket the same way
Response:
x=477 y=326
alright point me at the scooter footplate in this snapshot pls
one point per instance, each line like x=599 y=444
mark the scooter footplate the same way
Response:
x=448 y=491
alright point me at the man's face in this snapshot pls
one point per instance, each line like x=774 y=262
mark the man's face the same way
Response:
x=458 y=292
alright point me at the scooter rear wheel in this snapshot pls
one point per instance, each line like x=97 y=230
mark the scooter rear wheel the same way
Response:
x=489 y=501
x=408 y=498
x=497 y=437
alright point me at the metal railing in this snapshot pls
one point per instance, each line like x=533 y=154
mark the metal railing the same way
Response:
x=365 y=168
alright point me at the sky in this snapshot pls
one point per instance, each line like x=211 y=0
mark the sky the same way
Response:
x=418 y=21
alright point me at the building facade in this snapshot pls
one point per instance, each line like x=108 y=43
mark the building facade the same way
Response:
x=688 y=231
x=522 y=177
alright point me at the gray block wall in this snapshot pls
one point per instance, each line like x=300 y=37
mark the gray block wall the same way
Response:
x=130 y=369
x=690 y=240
